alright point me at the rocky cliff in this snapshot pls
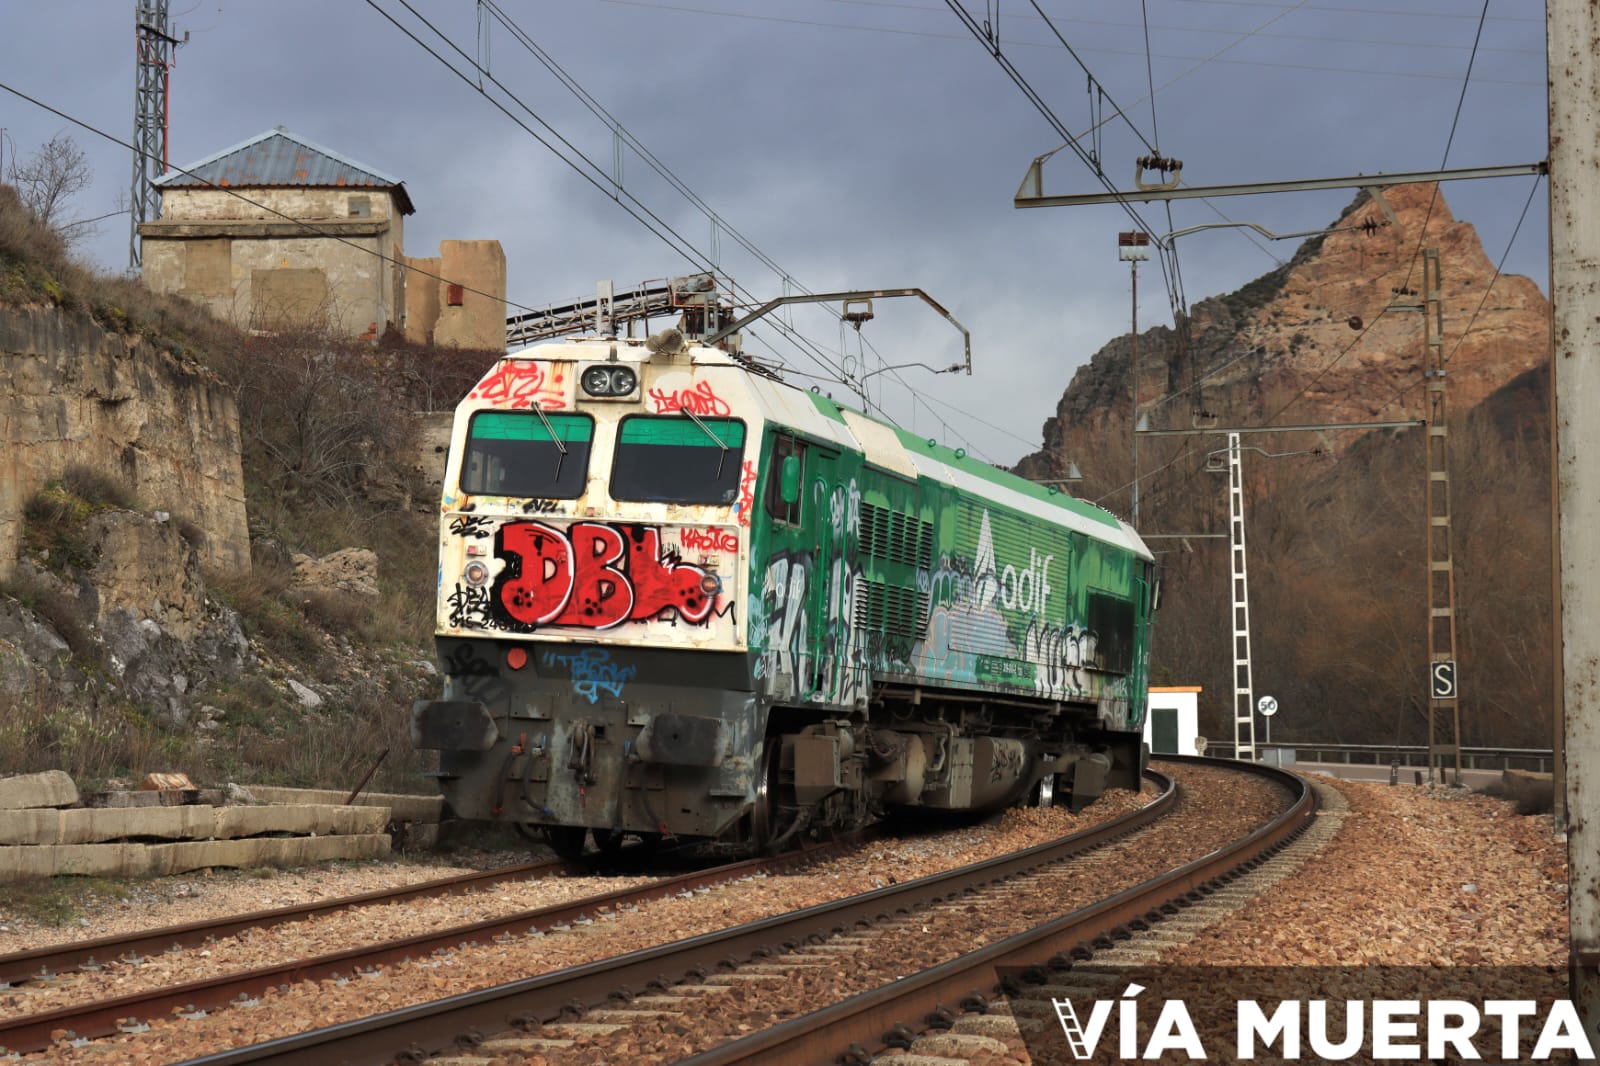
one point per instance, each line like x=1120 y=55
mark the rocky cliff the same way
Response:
x=1337 y=544
x=73 y=394
x=1317 y=340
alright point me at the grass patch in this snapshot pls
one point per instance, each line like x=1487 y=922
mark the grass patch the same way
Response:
x=62 y=900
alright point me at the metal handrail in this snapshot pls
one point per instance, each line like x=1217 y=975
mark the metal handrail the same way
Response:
x=1472 y=758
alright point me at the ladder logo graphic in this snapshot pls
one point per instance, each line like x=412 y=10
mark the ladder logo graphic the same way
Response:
x=1083 y=1035
x=1072 y=1028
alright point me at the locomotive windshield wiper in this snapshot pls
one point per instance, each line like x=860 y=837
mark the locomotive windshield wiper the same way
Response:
x=724 y=456
x=548 y=428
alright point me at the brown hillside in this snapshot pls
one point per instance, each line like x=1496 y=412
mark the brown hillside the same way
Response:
x=1282 y=348
x=1335 y=521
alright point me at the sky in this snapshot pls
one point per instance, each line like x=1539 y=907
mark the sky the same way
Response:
x=853 y=144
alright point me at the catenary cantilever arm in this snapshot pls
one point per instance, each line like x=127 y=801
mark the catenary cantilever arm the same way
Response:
x=829 y=297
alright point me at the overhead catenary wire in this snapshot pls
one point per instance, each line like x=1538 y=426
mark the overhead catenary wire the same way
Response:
x=718 y=223
x=1421 y=236
x=595 y=175
x=1320 y=39
x=1296 y=67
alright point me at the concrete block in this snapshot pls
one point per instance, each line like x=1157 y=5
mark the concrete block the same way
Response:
x=402 y=807
x=52 y=788
x=30 y=827
x=204 y=797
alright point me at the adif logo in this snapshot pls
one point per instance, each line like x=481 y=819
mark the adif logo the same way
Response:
x=1382 y=1029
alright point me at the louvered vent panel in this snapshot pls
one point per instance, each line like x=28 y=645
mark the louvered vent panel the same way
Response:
x=895 y=537
x=894 y=610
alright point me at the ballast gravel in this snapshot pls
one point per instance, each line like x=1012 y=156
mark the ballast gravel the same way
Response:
x=1414 y=877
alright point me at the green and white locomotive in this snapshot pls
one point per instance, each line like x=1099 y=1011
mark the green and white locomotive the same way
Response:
x=678 y=597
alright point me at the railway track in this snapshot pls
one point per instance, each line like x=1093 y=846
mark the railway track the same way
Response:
x=54 y=960
x=1078 y=953
x=130 y=1013
x=651 y=988
x=542 y=1014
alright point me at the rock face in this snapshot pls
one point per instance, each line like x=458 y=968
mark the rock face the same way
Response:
x=139 y=614
x=1286 y=346
x=347 y=570
x=73 y=394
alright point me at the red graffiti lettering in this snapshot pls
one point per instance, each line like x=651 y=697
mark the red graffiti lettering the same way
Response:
x=701 y=400
x=595 y=575
x=539 y=579
x=521 y=384
x=709 y=540
x=747 y=492
x=601 y=594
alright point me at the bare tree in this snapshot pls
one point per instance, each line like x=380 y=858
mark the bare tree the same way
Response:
x=50 y=177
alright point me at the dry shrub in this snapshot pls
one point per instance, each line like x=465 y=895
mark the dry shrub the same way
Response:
x=270 y=612
x=95 y=740
x=34 y=264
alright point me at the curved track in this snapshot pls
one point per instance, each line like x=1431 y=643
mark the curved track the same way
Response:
x=416 y=1033
x=888 y=1017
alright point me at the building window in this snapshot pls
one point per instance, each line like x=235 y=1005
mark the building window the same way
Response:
x=360 y=207
x=455 y=295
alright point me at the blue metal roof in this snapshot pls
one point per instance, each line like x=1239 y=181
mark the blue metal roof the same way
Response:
x=279 y=158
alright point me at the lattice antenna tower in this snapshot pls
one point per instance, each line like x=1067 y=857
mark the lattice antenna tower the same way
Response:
x=151 y=74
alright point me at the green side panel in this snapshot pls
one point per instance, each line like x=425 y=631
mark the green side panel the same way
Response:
x=881 y=579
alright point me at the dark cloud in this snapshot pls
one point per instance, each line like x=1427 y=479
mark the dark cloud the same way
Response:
x=855 y=143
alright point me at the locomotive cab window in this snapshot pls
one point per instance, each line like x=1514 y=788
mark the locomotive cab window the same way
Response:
x=784 y=448
x=678 y=459
x=527 y=453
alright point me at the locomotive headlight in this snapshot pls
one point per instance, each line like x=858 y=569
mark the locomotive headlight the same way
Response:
x=609 y=381
x=476 y=573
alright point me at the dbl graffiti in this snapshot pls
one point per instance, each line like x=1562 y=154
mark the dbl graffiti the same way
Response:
x=595 y=575
x=593 y=672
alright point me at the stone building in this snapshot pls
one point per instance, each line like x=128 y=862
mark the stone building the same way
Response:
x=279 y=231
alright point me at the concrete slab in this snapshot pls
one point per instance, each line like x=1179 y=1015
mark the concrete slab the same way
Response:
x=403 y=808
x=204 y=797
x=52 y=788
x=142 y=860
x=302 y=818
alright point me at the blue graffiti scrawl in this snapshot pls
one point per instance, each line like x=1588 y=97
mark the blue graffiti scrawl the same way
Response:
x=593 y=672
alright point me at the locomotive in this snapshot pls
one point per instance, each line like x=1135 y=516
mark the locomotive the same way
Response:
x=681 y=598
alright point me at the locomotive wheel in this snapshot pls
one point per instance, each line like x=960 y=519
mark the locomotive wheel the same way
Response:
x=566 y=840
x=1045 y=794
x=769 y=821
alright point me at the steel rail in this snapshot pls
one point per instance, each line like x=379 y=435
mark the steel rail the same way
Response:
x=32 y=1032
x=426 y=1029
x=55 y=959
x=862 y=1024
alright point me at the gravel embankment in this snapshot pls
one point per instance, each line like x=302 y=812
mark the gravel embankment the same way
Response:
x=1413 y=877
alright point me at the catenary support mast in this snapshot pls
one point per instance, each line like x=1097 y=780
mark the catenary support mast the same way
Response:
x=1572 y=27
